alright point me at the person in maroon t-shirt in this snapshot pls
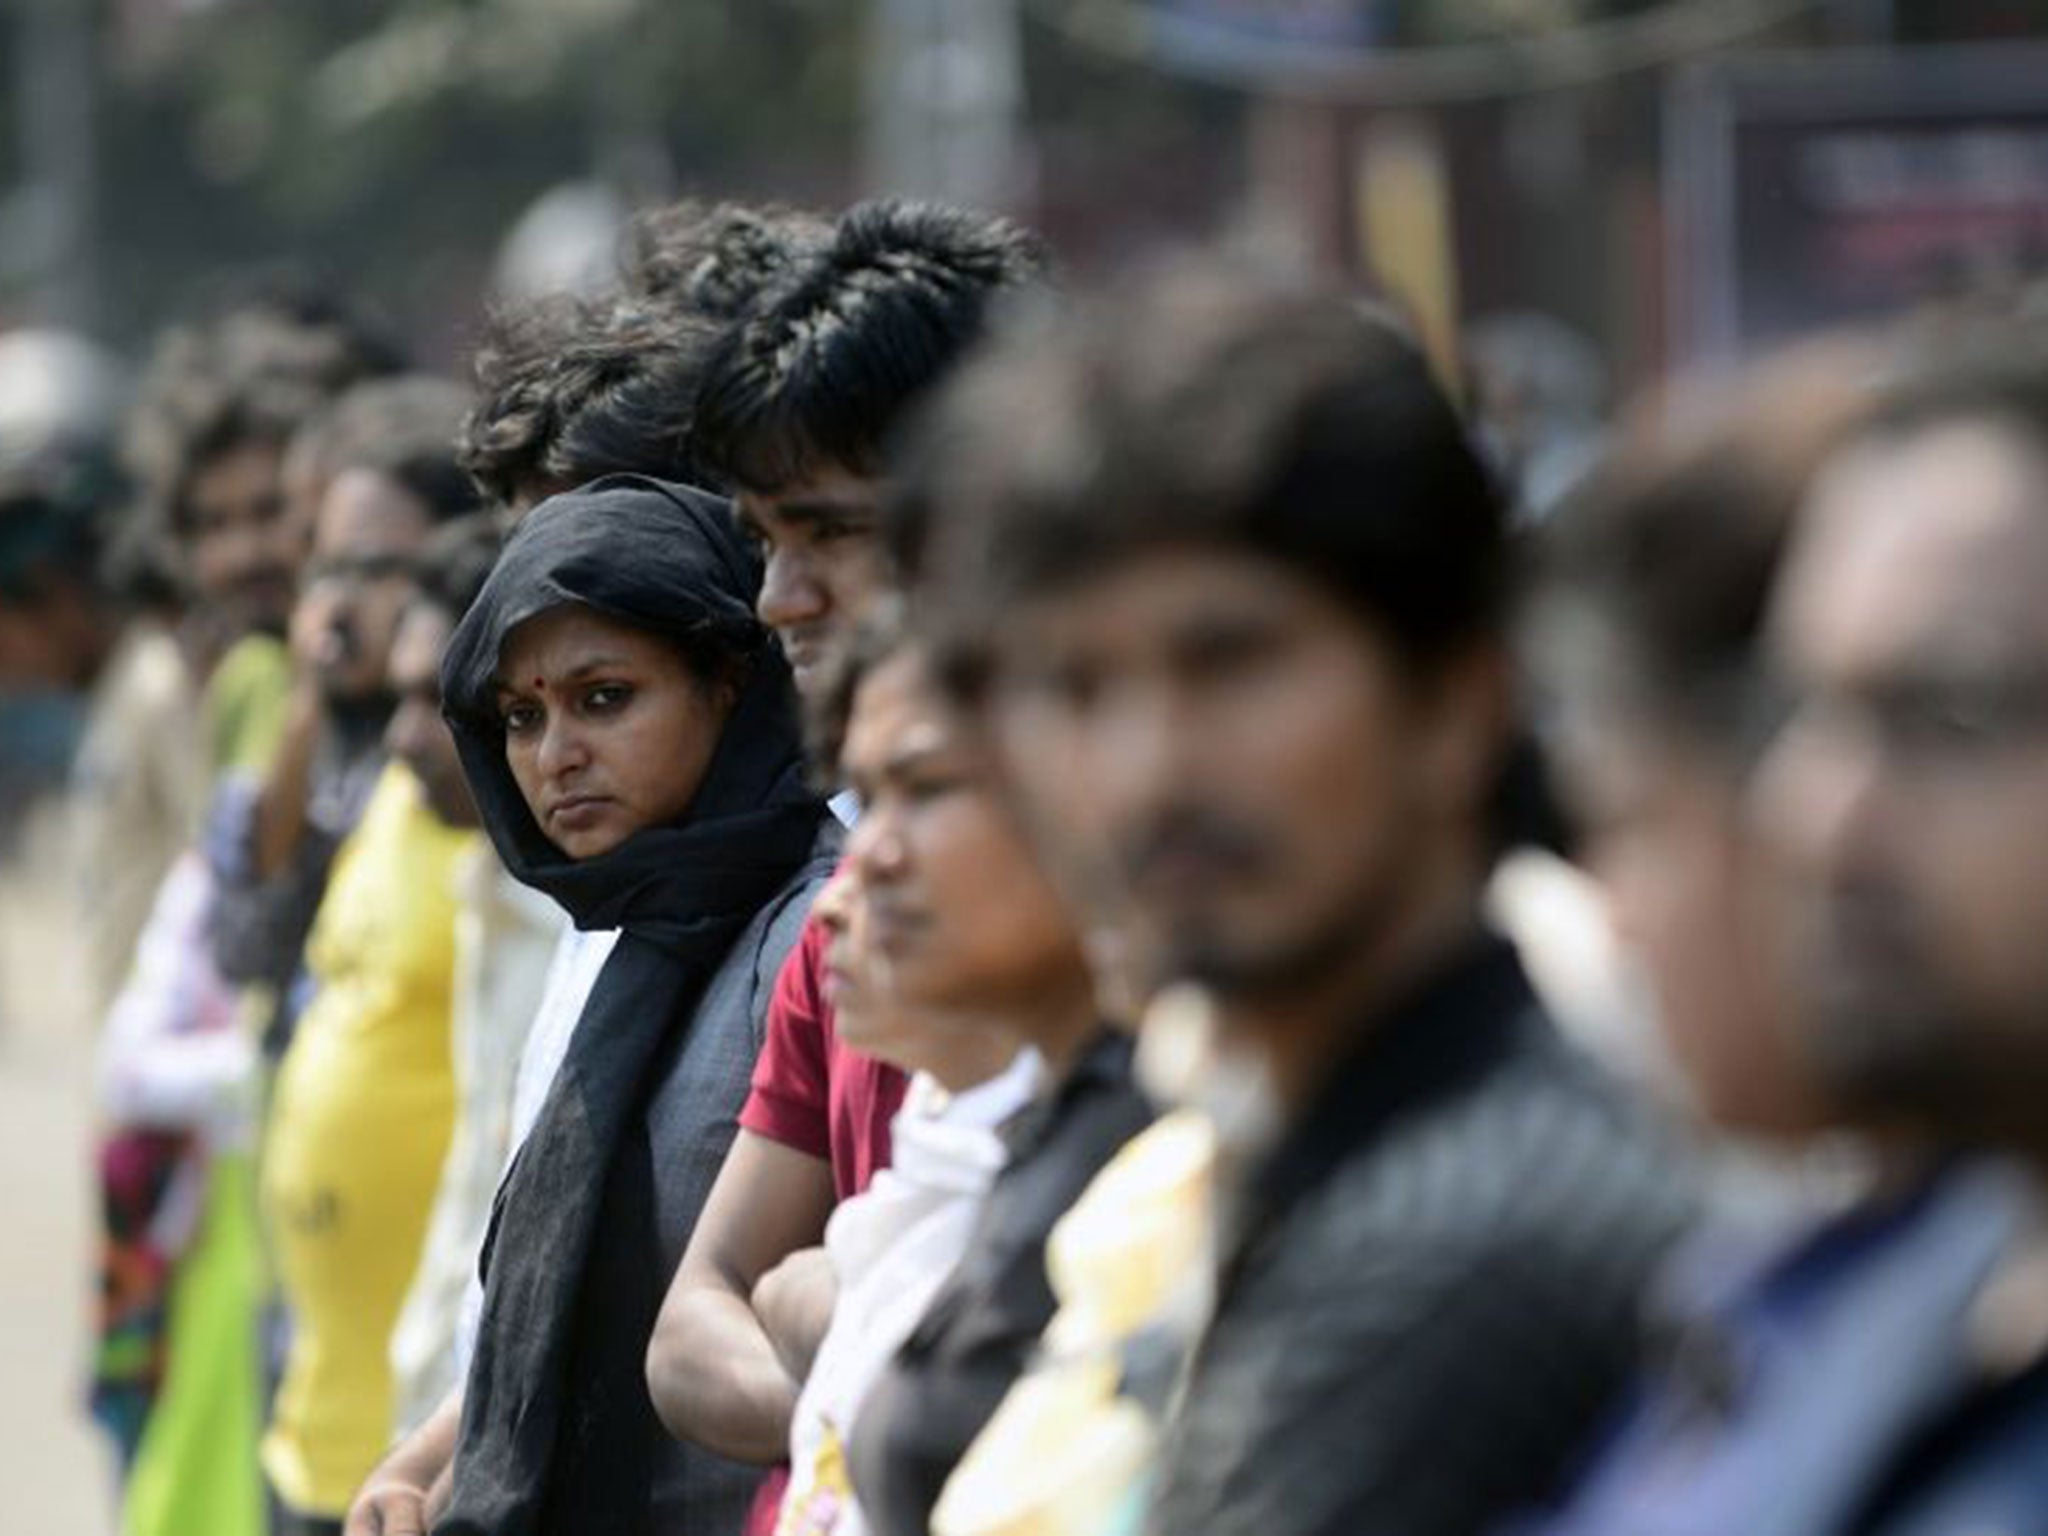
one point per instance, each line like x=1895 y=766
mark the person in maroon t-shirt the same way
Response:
x=796 y=404
x=811 y=1092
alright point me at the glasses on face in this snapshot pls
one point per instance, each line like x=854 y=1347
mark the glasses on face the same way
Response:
x=1929 y=721
x=357 y=570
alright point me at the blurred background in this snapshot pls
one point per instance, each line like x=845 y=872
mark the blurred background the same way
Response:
x=1571 y=198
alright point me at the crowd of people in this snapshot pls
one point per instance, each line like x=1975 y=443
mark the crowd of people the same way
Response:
x=858 y=893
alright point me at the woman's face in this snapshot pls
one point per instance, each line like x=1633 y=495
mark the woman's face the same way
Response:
x=860 y=1013
x=955 y=910
x=607 y=730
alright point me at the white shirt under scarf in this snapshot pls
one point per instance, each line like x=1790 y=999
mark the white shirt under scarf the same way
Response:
x=891 y=1248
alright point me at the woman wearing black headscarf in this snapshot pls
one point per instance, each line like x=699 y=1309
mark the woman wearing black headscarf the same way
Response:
x=628 y=732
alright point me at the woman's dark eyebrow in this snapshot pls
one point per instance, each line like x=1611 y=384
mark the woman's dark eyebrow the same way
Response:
x=582 y=669
x=590 y=664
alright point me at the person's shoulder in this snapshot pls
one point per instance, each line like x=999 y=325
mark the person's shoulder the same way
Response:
x=783 y=922
x=1541 y=1170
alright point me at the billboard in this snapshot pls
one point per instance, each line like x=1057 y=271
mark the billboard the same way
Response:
x=1815 y=190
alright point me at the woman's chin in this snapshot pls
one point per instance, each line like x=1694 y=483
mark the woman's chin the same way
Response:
x=590 y=842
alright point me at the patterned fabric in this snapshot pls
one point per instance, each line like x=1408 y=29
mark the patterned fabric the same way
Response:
x=1428 y=1294
x=1070 y=1451
x=137 y=1169
x=175 y=1081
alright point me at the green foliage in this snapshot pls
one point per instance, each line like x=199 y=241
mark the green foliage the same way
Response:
x=389 y=143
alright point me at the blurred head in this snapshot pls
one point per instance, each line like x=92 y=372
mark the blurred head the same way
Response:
x=241 y=548
x=1905 y=789
x=716 y=259
x=570 y=390
x=803 y=395
x=609 y=729
x=1226 y=572
x=216 y=409
x=1644 y=628
x=55 y=622
x=386 y=458
x=446 y=579
x=951 y=925
x=59 y=485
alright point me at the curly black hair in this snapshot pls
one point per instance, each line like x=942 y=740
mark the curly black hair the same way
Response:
x=569 y=390
x=830 y=360
x=715 y=259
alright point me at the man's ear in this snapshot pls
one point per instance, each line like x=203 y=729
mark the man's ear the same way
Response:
x=1471 y=715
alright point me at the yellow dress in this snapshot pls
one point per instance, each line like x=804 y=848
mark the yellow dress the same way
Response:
x=359 y=1127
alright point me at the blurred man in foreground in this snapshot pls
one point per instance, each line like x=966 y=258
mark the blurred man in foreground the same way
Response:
x=1862 y=955
x=1236 y=575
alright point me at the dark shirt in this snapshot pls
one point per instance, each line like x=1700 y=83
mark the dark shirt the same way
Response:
x=259 y=926
x=691 y=1121
x=949 y=1378
x=1832 y=1381
x=1429 y=1291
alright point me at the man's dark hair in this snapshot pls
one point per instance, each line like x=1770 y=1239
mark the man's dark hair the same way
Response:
x=256 y=373
x=404 y=429
x=456 y=562
x=54 y=505
x=1653 y=579
x=1993 y=377
x=715 y=259
x=1204 y=408
x=828 y=362
x=569 y=390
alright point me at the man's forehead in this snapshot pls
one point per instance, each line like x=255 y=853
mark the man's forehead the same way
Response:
x=833 y=492
x=1160 y=593
x=426 y=623
x=1939 y=544
x=365 y=506
x=423 y=632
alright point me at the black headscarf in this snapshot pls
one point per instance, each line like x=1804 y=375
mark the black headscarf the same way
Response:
x=557 y=1427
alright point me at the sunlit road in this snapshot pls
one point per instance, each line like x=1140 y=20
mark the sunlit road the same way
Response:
x=54 y=1477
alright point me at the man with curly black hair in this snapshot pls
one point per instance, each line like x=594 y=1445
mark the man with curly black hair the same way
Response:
x=801 y=399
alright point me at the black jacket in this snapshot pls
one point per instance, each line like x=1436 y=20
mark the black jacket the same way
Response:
x=1430 y=1288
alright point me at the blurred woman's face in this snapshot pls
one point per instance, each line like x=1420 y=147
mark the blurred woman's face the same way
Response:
x=607 y=730
x=1668 y=841
x=957 y=914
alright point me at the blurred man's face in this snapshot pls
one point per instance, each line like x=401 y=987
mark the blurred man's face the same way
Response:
x=418 y=736
x=245 y=549
x=1666 y=837
x=358 y=581
x=1909 y=788
x=55 y=638
x=823 y=564
x=1231 y=769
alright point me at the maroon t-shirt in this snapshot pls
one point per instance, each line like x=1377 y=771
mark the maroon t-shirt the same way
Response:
x=813 y=1094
